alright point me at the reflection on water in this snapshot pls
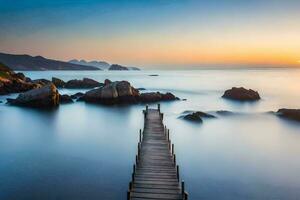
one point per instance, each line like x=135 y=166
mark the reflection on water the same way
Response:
x=83 y=151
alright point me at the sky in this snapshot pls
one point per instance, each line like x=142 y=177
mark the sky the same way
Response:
x=155 y=33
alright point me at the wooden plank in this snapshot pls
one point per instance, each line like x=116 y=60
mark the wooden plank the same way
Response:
x=155 y=174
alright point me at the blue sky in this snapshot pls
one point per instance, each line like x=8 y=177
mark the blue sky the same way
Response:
x=154 y=32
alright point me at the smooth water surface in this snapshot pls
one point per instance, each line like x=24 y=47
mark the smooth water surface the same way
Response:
x=84 y=151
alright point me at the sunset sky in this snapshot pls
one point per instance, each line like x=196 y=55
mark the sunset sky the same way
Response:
x=155 y=33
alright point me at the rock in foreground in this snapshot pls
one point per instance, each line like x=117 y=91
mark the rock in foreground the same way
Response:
x=58 y=82
x=122 y=92
x=241 y=94
x=293 y=114
x=64 y=99
x=45 y=97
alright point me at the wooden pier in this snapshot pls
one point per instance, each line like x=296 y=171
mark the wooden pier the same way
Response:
x=155 y=173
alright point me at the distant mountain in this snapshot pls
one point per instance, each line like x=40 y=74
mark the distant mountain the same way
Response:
x=117 y=67
x=98 y=64
x=134 y=68
x=39 y=63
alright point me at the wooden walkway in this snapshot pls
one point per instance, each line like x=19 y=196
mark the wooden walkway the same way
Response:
x=155 y=173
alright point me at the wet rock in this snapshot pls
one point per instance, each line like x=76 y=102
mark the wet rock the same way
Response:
x=293 y=114
x=123 y=92
x=11 y=82
x=193 y=117
x=156 y=96
x=241 y=94
x=85 y=83
x=42 y=81
x=58 y=82
x=44 y=97
x=107 y=82
x=64 y=99
x=77 y=95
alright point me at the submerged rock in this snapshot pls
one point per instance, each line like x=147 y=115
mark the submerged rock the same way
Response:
x=58 y=82
x=293 y=114
x=196 y=115
x=44 y=97
x=241 y=94
x=63 y=99
x=224 y=112
x=85 y=83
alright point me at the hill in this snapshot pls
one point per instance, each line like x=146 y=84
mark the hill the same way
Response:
x=39 y=63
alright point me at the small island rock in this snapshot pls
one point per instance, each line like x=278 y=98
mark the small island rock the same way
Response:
x=85 y=83
x=293 y=114
x=241 y=94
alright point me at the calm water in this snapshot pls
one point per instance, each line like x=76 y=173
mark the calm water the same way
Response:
x=83 y=151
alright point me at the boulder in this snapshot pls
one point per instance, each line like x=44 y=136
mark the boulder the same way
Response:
x=44 y=97
x=122 y=92
x=193 y=117
x=58 y=82
x=107 y=81
x=156 y=96
x=293 y=114
x=11 y=82
x=85 y=83
x=42 y=81
x=63 y=99
x=77 y=95
x=241 y=94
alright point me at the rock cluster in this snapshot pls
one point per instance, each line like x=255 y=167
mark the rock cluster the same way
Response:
x=122 y=92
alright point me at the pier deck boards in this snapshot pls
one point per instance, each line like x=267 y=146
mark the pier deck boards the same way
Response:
x=155 y=174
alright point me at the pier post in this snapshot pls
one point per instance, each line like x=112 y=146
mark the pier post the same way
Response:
x=168 y=133
x=146 y=108
x=158 y=107
x=174 y=158
x=172 y=149
x=177 y=172
x=182 y=187
x=140 y=135
x=128 y=195
x=134 y=168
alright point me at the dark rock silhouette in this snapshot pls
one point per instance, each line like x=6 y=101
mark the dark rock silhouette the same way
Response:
x=117 y=67
x=41 y=81
x=11 y=82
x=85 y=83
x=241 y=94
x=77 y=95
x=293 y=114
x=193 y=117
x=58 y=82
x=64 y=99
x=44 y=97
x=119 y=92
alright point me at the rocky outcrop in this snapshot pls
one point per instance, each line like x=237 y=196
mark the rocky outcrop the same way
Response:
x=64 y=99
x=41 y=81
x=193 y=117
x=77 y=95
x=11 y=82
x=196 y=116
x=241 y=94
x=80 y=84
x=58 y=82
x=44 y=97
x=122 y=92
x=293 y=114
x=117 y=67
x=156 y=96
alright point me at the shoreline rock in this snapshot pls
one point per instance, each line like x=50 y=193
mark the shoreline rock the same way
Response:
x=44 y=97
x=58 y=82
x=64 y=99
x=292 y=114
x=241 y=94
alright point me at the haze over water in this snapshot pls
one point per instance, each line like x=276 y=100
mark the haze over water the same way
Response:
x=85 y=151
